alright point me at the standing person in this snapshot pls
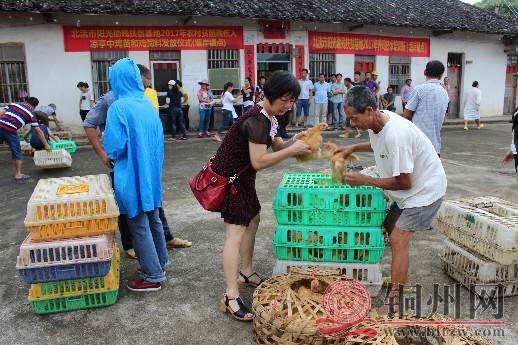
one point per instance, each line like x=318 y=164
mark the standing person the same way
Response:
x=406 y=91
x=375 y=76
x=134 y=141
x=50 y=112
x=86 y=100
x=259 y=89
x=96 y=118
x=446 y=86
x=427 y=104
x=472 y=106
x=388 y=100
x=321 y=90
x=304 y=100
x=370 y=83
x=329 y=115
x=410 y=172
x=228 y=112
x=337 y=100
x=149 y=92
x=245 y=149
x=206 y=102
x=175 y=115
x=185 y=105
x=513 y=152
x=357 y=78
x=35 y=140
x=14 y=117
x=248 y=95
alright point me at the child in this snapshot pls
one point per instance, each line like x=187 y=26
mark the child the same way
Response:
x=44 y=126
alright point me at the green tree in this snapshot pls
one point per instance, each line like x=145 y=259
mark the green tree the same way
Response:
x=505 y=8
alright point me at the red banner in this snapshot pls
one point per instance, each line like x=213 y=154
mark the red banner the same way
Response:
x=299 y=60
x=250 y=62
x=345 y=43
x=151 y=38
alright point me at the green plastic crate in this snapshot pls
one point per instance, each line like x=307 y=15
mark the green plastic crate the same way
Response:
x=313 y=199
x=57 y=305
x=68 y=145
x=329 y=244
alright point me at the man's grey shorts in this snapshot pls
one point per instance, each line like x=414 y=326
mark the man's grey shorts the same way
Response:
x=417 y=218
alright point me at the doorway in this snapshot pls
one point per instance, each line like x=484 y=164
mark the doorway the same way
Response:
x=454 y=74
x=161 y=73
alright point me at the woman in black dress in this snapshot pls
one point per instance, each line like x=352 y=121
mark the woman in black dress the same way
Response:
x=246 y=147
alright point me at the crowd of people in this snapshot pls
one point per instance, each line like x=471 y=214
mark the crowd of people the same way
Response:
x=406 y=149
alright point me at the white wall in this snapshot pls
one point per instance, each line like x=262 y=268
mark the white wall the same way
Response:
x=344 y=64
x=193 y=70
x=141 y=57
x=52 y=74
x=488 y=67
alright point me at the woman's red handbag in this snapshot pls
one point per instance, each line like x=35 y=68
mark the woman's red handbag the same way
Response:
x=211 y=189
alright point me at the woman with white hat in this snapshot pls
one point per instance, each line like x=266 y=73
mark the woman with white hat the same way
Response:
x=206 y=102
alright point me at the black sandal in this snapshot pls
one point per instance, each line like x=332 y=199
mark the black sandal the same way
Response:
x=240 y=314
x=247 y=281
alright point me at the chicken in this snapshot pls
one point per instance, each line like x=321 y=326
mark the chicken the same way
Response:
x=313 y=138
x=338 y=162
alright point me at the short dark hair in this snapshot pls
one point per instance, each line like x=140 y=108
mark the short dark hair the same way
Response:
x=321 y=74
x=179 y=83
x=360 y=97
x=339 y=74
x=227 y=85
x=333 y=75
x=262 y=77
x=408 y=79
x=42 y=118
x=82 y=84
x=357 y=73
x=475 y=84
x=305 y=70
x=390 y=87
x=434 y=69
x=249 y=80
x=143 y=69
x=33 y=101
x=348 y=79
x=279 y=84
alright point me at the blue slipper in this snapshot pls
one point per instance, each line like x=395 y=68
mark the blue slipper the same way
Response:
x=23 y=178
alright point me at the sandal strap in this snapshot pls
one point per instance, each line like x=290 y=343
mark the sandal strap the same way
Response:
x=243 y=309
x=247 y=279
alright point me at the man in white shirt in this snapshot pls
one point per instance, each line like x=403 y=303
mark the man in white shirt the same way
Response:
x=305 y=97
x=409 y=168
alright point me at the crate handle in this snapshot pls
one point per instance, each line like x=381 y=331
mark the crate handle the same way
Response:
x=75 y=301
x=72 y=189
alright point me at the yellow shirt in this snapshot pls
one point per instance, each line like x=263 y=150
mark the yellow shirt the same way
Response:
x=152 y=96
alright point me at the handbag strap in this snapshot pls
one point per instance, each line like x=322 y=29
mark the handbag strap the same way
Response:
x=235 y=176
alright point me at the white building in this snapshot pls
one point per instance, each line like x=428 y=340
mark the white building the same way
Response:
x=47 y=48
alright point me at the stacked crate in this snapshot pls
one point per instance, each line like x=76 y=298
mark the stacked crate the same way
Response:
x=69 y=256
x=327 y=225
x=482 y=244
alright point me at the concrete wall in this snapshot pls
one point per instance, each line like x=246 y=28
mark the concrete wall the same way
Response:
x=52 y=74
x=193 y=70
x=488 y=66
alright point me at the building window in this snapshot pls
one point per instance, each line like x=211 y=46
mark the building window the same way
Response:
x=223 y=67
x=321 y=63
x=164 y=55
x=399 y=72
x=223 y=58
x=13 y=77
x=101 y=62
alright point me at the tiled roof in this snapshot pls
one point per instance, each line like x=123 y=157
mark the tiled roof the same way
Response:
x=432 y=14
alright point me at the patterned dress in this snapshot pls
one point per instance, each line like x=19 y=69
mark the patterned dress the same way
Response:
x=233 y=155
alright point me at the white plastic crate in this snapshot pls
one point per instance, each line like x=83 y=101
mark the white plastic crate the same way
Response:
x=65 y=252
x=367 y=274
x=488 y=226
x=70 y=199
x=510 y=288
x=53 y=159
x=481 y=270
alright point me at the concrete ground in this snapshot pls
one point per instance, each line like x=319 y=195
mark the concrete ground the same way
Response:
x=185 y=311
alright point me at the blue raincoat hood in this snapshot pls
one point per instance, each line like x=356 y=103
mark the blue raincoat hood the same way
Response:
x=134 y=140
x=125 y=79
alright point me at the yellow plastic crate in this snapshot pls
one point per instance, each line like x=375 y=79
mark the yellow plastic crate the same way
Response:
x=79 y=287
x=72 y=203
x=73 y=229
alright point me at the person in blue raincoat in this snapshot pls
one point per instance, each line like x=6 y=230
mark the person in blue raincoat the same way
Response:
x=134 y=140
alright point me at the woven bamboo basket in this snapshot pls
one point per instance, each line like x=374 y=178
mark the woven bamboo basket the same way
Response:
x=287 y=306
